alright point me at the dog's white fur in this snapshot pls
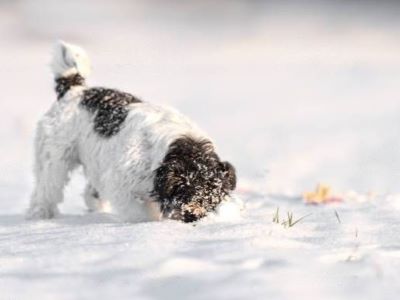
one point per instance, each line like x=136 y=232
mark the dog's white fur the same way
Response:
x=69 y=59
x=120 y=168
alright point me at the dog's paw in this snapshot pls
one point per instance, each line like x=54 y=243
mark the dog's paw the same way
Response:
x=40 y=212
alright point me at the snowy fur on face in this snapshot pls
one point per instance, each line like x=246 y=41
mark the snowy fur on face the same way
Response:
x=147 y=161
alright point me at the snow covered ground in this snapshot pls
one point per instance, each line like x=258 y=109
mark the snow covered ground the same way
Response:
x=294 y=95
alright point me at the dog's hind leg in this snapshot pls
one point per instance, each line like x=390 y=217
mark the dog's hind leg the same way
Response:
x=93 y=200
x=55 y=158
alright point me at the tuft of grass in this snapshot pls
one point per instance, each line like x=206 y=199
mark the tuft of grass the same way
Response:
x=289 y=222
x=354 y=255
x=275 y=217
x=337 y=217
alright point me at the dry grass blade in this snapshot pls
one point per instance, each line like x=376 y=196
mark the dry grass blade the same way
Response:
x=290 y=220
x=298 y=220
x=337 y=217
x=275 y=218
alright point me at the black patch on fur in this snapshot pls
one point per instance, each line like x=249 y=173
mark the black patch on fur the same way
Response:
x=192 y=180
x=109 y=107
x=64 y=84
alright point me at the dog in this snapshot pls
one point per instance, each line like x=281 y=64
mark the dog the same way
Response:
x=138 y=156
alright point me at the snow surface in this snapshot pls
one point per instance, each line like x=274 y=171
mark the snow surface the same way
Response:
x=294 y=95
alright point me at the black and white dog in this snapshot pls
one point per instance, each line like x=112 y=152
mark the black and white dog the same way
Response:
x=136 y=155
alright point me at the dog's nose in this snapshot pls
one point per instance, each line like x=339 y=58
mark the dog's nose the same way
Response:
x=183 y=216
x=189 y=217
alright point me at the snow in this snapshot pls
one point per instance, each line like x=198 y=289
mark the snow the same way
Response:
x=95 y=256
x=292 y=98
x=230 y=210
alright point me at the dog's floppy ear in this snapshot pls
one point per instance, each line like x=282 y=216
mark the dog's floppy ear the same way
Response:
x=167 y=179
x=229 y=176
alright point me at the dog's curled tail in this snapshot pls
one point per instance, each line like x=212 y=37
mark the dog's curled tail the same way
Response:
x=68 y=60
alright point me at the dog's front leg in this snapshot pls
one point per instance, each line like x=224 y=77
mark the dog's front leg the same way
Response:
x=54 y=159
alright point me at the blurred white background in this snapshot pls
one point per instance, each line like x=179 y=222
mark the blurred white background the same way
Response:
x=294 y=93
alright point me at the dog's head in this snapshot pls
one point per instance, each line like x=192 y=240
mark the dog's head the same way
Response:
x=192 y=180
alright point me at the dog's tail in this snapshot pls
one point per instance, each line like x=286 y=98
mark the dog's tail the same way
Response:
x=69 y=60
